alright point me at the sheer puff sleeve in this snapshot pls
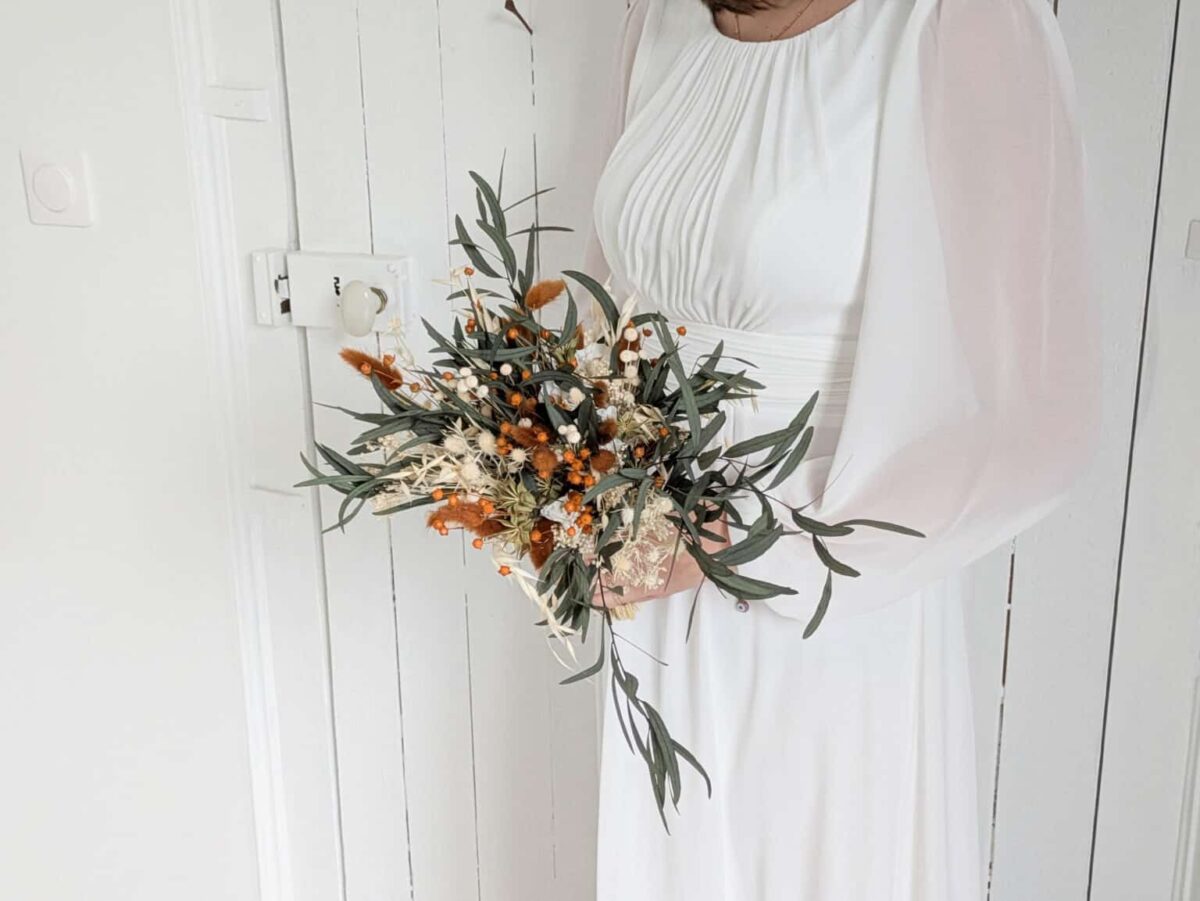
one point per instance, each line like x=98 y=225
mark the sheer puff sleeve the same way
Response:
x=975 y=391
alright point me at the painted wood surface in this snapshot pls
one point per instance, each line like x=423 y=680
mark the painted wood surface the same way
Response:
x=1148 y=776
x=1065 y=569
x=463 y=771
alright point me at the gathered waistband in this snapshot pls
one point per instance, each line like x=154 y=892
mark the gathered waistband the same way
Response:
x=791 y=367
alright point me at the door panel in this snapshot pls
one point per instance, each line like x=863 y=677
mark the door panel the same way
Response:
x=463 y=770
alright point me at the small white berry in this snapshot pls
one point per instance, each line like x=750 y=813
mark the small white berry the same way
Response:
x=506 y=369
x=482 y=391
x=630 y=334
x=465 y=371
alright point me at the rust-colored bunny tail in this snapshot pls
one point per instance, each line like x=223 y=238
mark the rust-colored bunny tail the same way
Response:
x=368 y=365
x=541 y=542
x=543 y=293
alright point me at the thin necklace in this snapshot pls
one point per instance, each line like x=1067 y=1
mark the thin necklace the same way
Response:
x=737 y=23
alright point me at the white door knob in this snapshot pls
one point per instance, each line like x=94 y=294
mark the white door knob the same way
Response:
x=359 y=304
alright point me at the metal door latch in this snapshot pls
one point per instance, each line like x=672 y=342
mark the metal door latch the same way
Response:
x=355 y=293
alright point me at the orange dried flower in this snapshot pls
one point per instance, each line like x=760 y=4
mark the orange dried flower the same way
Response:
x=543 y=293
x=543 y=459
x=523 y=436
x=467 y=514
x=603 y=461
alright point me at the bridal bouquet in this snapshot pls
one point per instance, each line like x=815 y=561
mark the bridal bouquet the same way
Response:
x=584 y=455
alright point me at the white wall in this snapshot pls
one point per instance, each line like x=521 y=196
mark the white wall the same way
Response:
x=124 y=769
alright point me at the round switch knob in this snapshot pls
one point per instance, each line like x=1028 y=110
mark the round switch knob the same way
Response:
x=359 y=305
x=54 y=188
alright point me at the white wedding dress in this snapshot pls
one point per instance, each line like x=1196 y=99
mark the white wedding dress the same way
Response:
x=886 y=208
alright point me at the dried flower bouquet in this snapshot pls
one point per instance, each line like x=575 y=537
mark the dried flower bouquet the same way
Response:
x=583 y=454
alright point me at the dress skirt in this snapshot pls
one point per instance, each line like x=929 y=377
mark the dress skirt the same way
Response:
x=842 y=766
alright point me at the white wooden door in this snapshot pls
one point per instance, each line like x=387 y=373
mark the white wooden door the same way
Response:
x=459 y=768
x=464 y=771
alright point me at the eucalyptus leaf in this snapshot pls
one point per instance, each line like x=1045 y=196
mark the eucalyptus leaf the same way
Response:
x=822 y=607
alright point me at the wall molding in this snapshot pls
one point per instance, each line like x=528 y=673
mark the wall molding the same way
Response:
x=212 y=203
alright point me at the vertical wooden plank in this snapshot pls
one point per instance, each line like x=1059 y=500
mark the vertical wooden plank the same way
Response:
x=487 y=79
x=1154 y=667
x=573 y=49
x=402 y=85
x=321 y=42
x=1066 y=567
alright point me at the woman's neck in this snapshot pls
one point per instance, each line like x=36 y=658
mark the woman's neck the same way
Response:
x=786 y=19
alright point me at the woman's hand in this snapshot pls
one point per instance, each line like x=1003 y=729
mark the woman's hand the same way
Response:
x=685 y=575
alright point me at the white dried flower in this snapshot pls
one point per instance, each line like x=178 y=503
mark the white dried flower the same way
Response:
x=525 y=422
x=630 y=334
x=575 y=396
x=456 y=444
x=628 y=356
x=482 y=391
x=486 y=442
x=506 y=369
x=518 y=455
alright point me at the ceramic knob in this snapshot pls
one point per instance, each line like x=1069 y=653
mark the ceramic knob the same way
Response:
x=359 y=304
